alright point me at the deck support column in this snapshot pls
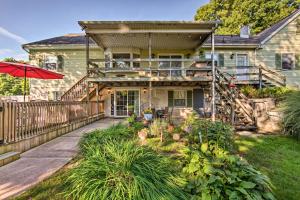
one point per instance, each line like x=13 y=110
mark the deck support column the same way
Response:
x=97 y=95
x=213 y=90
x=150 y=66
x=87 y=49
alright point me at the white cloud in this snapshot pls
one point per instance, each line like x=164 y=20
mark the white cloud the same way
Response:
x=21 y=56
x=13 y=36
x=5 y=51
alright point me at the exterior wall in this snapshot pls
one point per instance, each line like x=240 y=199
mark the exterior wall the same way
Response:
x=286 y=40
x=159 y=99
x=74 y=69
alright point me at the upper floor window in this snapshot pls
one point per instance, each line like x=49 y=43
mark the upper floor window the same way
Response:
x=218 y=58
x=285 y=61
x=241 y=60
x=119 y=63
x=122 y=60
x=170 y=64
x=52 y=62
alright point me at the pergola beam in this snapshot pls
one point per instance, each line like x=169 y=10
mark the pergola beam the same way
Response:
x=146 y=31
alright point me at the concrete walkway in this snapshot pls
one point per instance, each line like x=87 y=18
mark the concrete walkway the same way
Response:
x=41 y=162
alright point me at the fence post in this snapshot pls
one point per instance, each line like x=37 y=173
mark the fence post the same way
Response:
x=1 y=123
x=260 y=77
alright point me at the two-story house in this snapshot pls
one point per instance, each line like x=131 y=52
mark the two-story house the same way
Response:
x=134 y=65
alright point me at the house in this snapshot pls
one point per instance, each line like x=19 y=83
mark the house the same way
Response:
x=134 y=65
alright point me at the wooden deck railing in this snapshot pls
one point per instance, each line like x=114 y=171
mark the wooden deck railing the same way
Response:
x=20 y=120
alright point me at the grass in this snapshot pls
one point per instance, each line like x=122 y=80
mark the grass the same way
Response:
x=278 y=157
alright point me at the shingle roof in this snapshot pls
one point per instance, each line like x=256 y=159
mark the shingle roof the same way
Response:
x=267 y=32
x=220 y=40
x=65 y=39
x=232 y=40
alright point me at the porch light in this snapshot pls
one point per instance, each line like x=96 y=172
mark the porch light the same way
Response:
x=144 y=90
x=231 y=56
x=108 y=90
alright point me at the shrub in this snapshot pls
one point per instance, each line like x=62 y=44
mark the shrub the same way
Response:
x=214 y=174
x=249 y=91
x=98 y=137
x=291 y=112
x=219 y=133
x=269 y=92
x=189 y=122
x=157 y=127
x=123 y=170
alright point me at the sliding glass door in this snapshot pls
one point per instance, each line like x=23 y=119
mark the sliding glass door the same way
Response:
x=125 y=102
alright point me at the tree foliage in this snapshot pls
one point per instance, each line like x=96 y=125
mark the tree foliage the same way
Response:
x=10 y=85
x=259 y=14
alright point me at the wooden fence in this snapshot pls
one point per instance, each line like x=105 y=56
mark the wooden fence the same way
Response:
x=20 y=120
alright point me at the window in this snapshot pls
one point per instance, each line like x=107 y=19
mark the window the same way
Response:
x=135 y=64
x=170 y=64
x=208 y=59
x=52 y=62
x=121 y=64
x=241 y=60
x=287 y=61
x=180 y=98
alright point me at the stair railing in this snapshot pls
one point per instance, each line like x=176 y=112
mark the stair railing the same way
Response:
x=78 y=90
x=225 y=85
x=271 y=75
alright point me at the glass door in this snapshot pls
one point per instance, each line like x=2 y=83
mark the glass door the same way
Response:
x=127 y=102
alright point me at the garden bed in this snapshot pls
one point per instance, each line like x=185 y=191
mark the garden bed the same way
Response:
x=150 y=163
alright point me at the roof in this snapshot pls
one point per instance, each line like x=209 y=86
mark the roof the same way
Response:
x=220 y=40
x=74 y=38
x=272 y=30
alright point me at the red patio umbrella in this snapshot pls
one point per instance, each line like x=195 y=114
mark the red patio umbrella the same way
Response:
x=27 y=71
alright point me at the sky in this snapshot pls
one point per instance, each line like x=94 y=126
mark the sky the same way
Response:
x=23 y=21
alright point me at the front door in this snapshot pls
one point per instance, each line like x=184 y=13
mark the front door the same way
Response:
x=126 y=102
x=242 y=67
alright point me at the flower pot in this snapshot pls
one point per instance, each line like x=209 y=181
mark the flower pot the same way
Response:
x=171 y=128
x=148 y=117
x=176 y=136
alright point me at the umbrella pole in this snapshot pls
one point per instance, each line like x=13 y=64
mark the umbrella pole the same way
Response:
x=25 y=84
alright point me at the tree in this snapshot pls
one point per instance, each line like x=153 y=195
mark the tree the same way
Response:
x=10 y=85
x=259 y=14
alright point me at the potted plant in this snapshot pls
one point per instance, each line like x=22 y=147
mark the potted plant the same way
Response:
x=148 y=114
x=131 y=119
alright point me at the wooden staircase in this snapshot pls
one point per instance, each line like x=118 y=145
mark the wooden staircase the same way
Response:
x=232 y=106
x=78 y=91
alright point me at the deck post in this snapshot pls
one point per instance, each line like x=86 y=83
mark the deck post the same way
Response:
x=213 y=99
x=97 y=95
x=260 y=77
x=87 y=42
x=150 y=66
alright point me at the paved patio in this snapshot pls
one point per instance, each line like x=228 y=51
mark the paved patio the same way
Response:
x=41 y=162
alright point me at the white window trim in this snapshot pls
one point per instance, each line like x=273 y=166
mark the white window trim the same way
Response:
x=172 y=54
x=294 y=63
x=236 y=60
x=185 y=91
x=115 y=100
x=121 y=52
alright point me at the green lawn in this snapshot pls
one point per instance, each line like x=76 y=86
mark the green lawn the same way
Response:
x=276 y=156
x=279 y=158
